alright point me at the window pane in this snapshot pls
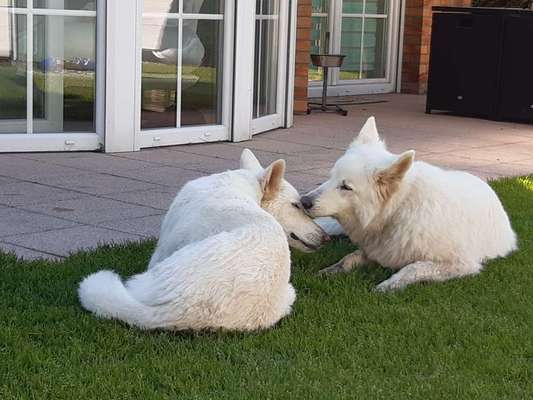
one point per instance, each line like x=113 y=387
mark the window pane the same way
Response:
x=267 y=7
x=318 y=44
x=159 y=73
x=161 y=6
x=320 y=6
x=375 y=48
x=352 y=6
x=203 y=6
x=266 y=67
x=12 y=73
x=376 y=7
x=13 y=3
x=201 y=81
x=88 y=5
x=64 y=72
x=351 y=46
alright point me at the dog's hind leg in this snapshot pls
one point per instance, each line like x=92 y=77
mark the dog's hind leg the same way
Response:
x=347 y=264
x=428 y=271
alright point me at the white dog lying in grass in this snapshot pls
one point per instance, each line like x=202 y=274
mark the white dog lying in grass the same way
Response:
x=426 y=222
x=222 y=260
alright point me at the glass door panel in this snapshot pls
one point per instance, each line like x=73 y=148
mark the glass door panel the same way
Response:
x=319 y=35
x=64 y=73
x=13 y=72
x=266 y=59
x=47 y=66
x=182 y=63
x=365 y=32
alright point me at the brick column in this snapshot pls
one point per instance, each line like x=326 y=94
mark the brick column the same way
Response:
x=303 y=48
x=417 y=40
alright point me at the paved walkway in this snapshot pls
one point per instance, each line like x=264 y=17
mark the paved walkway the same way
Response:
x=53 y=204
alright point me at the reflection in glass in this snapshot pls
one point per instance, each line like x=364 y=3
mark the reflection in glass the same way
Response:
x=159 y=73
x=64 y=72
x=320 y=6
x=267 y=7
x=376 y=6
x=13 y=3
x=266 y=67
x=12 y=73
x=87 y=5
x=320 y=28
x=200 y=50
x=353 y=6
x=201 y=85
x=352 y=29
x=161 y=6
x=203 y=6
x=375 y=48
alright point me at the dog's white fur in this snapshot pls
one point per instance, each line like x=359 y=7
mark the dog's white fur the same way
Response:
x=430 y=224
x=222 y=261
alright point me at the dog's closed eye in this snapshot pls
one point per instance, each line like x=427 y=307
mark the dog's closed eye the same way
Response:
x=344 y=186
x=297 y=205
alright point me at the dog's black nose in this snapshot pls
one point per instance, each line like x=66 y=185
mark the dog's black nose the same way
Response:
x=307 y=202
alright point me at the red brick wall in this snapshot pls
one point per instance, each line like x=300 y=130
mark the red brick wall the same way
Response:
x=417 y=40
x=303 y=47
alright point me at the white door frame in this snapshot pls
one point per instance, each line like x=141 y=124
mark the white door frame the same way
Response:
x=244 y=125
x=337 y=87
x=61 y=141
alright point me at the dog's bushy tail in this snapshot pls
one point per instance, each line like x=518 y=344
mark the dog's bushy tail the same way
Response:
x=104 y=294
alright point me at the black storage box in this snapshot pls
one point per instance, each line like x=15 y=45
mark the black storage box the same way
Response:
x=481 y=63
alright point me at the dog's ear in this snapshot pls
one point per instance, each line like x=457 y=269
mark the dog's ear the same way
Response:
x=388 y=179
x=249 y=161
x=272 y=179
x=368 y=134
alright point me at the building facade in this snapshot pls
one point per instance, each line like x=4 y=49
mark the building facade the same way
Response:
x=122 y=75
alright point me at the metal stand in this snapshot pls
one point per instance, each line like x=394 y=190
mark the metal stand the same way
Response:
x=324 y=106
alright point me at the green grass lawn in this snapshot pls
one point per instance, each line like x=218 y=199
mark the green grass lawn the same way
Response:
x=464 y=339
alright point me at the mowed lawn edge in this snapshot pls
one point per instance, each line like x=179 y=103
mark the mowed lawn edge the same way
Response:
x=469 y=339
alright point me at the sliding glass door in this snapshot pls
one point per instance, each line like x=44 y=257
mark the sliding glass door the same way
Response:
x=367 y=32
x=184 y=70
x=48 y=74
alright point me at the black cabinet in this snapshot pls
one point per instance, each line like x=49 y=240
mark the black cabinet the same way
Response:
x=481 y=63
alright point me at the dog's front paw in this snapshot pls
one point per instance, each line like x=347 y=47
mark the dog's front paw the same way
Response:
x=333 y=269
x=389 y=285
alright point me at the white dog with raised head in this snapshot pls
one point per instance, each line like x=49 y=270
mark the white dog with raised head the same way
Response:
x=222 y=261
x=429 y=223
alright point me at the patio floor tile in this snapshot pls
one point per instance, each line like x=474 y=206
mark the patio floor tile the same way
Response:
x=147 y=227
x=26 y=254
x=62 y=242
x=15 y=222
x=24 y=193
x=97 y=184
x=92 y=210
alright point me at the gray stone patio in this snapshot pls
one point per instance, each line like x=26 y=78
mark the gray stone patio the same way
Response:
x=54 y=204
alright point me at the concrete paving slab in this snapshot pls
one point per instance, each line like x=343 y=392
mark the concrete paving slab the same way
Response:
x=147 y=227
x=25 y=193
x=16 y=221
x=62 y=242
x=97 y=184
x=173 y=177
x=92 y=210
x=30 y=170
x=160 y=199
x=26 y=254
